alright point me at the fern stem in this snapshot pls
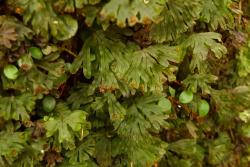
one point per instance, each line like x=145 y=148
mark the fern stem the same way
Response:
x=68 y=51
x=240 y=15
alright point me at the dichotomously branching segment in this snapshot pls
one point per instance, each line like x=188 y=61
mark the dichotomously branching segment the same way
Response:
x=178 y=17
x=45 y=21
x=12 y=31
x=201 y=44
x=66 y=125
x=133 y=12
x=117 y=66
x=217 y=14
x=17 y=107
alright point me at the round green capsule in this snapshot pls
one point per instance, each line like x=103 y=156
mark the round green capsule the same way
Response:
x=203 y=108
x=11 y=72
x=49 y=103
x=36 y=53
x=165 y=104
x=186 y=96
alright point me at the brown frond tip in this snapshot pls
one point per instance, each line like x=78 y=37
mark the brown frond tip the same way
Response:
x=7 y=36
x=52 y=157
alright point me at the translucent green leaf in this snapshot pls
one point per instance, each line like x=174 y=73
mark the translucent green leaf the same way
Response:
x=188 y=147
x=83 y=152
x=192 y=129
x=147 y=68
x=25 y=62
x=49 y=49
x=44 y=20
x=80 y=96
x=186 y=96
x=178 y=17
x=201 y=44
x=91 y=2
x=31 y=154
x=245 y=115
x=245 y=130
x=223 y=100
x=11 y=144
x=103 y=150
x=90 y=13
x=142 y=116
x=67 y=124
x=243 y=64
x=171 y=91
x=54 y=68
x=173 y=160
x=106 y=59
x=70 y=6
x=63 y=27
x=217 y=14
x=132 y=11
x=127 y=68
x=195 y=81
x=17 y=107
x=142 y=152
x=220 y=149
x=65 y=5
x=115 y=109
